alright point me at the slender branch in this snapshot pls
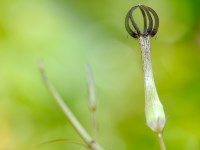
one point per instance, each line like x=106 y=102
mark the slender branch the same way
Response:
x=94 y=125
x=73 y=120
x=92 y=98
x=161 y=141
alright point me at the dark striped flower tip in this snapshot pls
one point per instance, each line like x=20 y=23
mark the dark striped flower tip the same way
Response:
x=151 y=22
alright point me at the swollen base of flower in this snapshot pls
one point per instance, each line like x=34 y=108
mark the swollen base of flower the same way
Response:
x=154 y=112
x=155 y=118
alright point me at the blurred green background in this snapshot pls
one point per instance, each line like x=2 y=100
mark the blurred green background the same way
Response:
x=68 y=34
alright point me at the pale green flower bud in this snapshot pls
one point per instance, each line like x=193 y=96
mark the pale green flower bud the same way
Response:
x=155 y=115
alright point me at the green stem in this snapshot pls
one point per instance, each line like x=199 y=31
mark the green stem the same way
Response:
x=161 y=142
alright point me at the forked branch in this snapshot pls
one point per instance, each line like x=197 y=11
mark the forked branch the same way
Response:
x=89 y=141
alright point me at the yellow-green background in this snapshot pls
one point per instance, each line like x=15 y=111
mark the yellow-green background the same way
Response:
x=67 y=34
